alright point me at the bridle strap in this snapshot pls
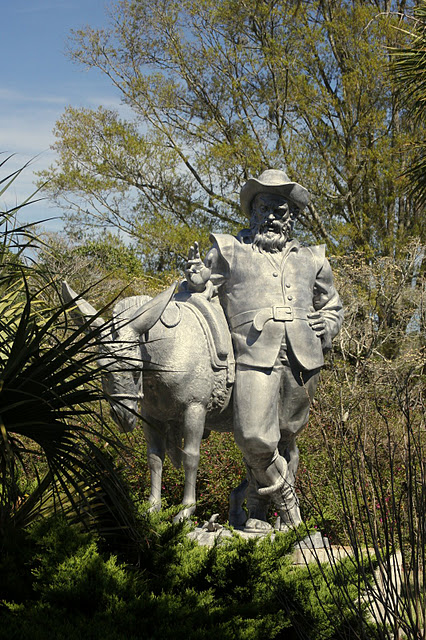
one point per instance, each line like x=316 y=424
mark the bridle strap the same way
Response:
x=124 y=396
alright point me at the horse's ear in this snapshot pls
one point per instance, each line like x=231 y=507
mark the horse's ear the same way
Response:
x=81 y=309
x=146 y=316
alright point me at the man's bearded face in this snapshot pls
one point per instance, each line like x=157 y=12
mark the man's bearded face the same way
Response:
x=271 y=222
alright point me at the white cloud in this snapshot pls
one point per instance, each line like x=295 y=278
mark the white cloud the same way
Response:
x=11 y=95
x=108 y=102
x=24 y=184
x=27 y=121
x=27 y=132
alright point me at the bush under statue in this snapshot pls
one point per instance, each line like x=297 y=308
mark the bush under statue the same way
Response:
x=259 y=297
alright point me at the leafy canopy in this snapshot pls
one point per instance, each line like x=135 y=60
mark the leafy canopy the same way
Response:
x=219 y=91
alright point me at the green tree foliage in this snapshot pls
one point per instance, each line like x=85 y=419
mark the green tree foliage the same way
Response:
x=410 y=73
x=218 y=91
x=106 y=267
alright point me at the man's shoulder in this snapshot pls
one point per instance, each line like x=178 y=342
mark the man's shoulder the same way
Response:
x=227 y=242
x=224 y=244
x=221 y=236
x=222 y=240
x=243 y=237
x=228 y=245
x=317 y=252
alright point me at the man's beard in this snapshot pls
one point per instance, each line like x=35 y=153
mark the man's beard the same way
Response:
x=272 y=238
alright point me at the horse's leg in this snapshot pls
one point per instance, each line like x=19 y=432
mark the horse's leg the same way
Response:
x=193 y=429
x=155 y=435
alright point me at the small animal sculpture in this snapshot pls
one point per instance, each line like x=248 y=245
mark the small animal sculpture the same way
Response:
x=165 y=355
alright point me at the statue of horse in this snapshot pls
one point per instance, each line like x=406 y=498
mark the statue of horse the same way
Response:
x=172 y=355
x=163 y=354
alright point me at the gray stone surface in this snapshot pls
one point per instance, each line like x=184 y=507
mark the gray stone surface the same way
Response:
x=383 y=595
x=314 y=541
x=211 y=533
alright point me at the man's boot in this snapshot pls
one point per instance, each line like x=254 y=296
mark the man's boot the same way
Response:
x=257 y=507
x=237 y=517
x=287 y=506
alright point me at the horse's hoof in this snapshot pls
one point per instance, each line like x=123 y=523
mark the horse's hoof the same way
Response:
x=184 y=514
x=155 y=507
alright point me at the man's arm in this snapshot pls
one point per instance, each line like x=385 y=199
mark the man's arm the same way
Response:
x=199 y=273
x=326 y=301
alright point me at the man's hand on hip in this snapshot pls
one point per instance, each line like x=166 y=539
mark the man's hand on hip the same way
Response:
x=318 y=324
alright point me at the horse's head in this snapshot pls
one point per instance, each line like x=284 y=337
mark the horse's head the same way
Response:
x=119 y=351
x=122 y=382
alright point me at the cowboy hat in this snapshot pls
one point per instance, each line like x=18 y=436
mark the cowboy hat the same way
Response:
x=273 y=181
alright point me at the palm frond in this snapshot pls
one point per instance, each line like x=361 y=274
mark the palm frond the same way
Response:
x=409 y=73
x=50 y=396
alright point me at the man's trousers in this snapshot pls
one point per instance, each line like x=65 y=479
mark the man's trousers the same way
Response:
x=271 y=407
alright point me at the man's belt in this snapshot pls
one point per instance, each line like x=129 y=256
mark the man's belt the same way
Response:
x=260 y=317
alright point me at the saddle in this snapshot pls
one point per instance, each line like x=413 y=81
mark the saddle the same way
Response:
x=213 y=322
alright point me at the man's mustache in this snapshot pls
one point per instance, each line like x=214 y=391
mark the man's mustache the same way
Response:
x=271 y=236
x=277 y=226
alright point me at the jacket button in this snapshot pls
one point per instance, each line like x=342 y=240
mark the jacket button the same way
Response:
x=275 y=274
x=289 y=297
x=288 y=285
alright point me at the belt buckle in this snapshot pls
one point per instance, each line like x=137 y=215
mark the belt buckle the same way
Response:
x=282 y=313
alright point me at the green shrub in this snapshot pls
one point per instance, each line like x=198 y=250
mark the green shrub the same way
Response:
x=70 y=572
x=239 y=589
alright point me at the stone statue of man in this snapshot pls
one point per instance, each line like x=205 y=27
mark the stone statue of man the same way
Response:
x=283 y=312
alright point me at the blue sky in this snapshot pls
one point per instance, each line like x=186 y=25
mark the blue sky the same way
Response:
x=39 y=81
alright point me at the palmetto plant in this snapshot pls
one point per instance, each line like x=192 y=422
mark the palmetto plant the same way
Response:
x=50 y=407
x=410 y=74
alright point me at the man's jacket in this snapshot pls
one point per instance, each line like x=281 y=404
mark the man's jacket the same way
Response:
x=267 y=297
